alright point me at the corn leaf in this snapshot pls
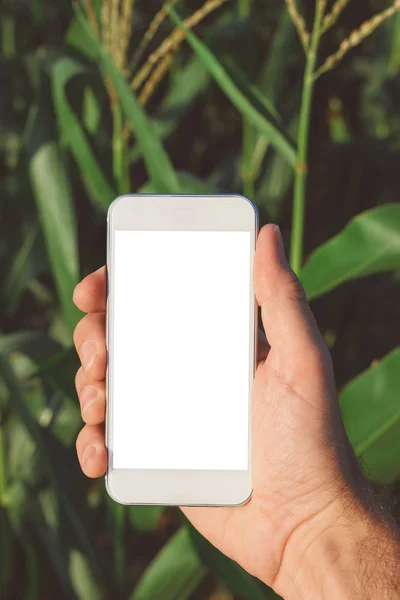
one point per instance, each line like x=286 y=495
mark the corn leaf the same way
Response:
x=79 y=38
x=278 y=175
x=28 y=262
x=369 y=244
x=52 y=546
x=267 y=126
x=61 y=468
x=175 y=572
x=157 y=161
x=145 y=518
x=279 y=54
x=31 y=567
x=59 y=371
x=7 y=550
x=75 y=515
x=38 y=346
x=189 y=184
x=64 y=71
x=186 y=83
x=91 y=110
x=56 y=214
x=370 y=407
x=81 y=577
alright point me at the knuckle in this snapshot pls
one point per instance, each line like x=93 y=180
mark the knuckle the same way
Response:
x=78 y=379
x=295 y=290
x=318 y=361
x=78 y=444
x=78 y=330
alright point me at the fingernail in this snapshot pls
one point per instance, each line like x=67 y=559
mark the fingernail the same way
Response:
x=87 y=354
x=88 y=397
x=88 y=453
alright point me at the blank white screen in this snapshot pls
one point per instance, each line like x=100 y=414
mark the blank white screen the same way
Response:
x=180 y=383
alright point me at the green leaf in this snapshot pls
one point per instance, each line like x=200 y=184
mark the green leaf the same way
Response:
x=20 y=451
x=394 y=61
x=145 y=518
x=64 y=71
x=274 y=185
x=175 y=572
x=371 y=412
x=370 y=243
x=79 y=38
x=56 y=213
x=38 y=346
x=157 y=161
x=75 y=515
x=59 y=371
x=186 y=83
x=279 y=54
x=61 y=468
x=37 y=10
x=7 y=552
x=158 y=164
x=189 y=184
x=51 y=543
x=26 y=264
x=269 y=127
x=32 y=568
x=81 y=577
x=91 y=110
x=162 y=129
x=236 y=578
x=17 y=402
x=260 y=102
x=270 y=84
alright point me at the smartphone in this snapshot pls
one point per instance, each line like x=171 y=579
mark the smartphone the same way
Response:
x=181 y=323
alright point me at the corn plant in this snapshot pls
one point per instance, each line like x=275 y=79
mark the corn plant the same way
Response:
x=208 y=96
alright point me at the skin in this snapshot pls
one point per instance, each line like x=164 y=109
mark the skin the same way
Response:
x=302 y=530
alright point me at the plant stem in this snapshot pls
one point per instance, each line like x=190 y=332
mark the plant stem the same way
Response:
x=296 y=251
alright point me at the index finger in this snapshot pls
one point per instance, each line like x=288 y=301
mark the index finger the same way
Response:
x=90 y=294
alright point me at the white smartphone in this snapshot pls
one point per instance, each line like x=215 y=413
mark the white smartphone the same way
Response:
x=181 y=334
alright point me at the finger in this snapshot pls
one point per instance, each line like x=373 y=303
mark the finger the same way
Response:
x=90 y=343
x=289 y=324
x=92 y=399
x=90 y=294
x=80 y=380
x=91 y=450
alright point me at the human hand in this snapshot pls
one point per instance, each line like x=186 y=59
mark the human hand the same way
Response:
x=305 y=476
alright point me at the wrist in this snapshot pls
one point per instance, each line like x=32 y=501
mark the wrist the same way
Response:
x=347 y=551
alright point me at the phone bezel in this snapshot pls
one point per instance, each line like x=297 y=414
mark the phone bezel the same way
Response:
x=152 y=212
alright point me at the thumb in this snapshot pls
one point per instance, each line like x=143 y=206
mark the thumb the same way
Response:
x=289 y=324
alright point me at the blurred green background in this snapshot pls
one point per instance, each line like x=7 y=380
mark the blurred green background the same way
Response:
x=95 y=103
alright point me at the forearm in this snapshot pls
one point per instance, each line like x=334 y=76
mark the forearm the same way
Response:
x=347 y=553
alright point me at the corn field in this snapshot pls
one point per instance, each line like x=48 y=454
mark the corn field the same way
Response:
x=294 y=104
